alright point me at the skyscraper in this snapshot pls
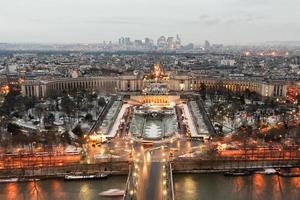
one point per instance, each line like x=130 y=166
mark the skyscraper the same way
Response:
x=124 y=41
x=148 y=42
x=161 y=42
x=178 y=41
x=206 y=45
x=171 y=43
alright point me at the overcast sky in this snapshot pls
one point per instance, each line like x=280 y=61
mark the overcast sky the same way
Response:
x=219 y=21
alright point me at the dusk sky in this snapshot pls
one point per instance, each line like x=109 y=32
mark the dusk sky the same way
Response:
x=91 y=21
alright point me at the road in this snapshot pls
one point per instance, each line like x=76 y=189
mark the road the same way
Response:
x=149 y=173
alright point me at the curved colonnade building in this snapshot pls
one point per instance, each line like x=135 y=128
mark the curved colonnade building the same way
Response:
x=136 y=83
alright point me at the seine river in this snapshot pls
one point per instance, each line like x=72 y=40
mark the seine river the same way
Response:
x=187 y=186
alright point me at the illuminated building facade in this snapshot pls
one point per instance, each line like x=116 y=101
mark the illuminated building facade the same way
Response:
x=174 y=83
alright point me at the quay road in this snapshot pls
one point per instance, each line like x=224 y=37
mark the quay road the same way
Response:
x=121 y=149
x=262 y=153
x=42 y=159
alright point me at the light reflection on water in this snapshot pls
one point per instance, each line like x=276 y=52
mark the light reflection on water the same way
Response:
x=187 y=186
x=35 y=191
x=60 y=190
x=190 y=185
x=12 y=190
x=56 y=187
x=217 y=186
x=259 y=185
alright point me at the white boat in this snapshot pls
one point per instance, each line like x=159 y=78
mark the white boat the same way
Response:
x=83 y=177
x=9 y=180
x=78 y=177
x=112 y=193
x=268 y=171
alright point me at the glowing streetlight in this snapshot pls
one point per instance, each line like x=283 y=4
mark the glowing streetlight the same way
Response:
x=165 y=192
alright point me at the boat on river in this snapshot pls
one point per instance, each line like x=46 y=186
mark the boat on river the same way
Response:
x=14 y=180
x=85 y=177
x=112 y=193
x=267 y=171
x=237 y=173
x=9 y=180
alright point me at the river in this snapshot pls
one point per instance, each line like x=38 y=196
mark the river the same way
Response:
x=187 y=186
x=217 y=186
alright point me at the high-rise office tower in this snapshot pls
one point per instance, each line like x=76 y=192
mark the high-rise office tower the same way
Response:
x=206 y=45
x=161 y=42
x=171 y=43
x=178 y=41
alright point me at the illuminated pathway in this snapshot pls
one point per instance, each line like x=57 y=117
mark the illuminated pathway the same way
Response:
x=150 y=176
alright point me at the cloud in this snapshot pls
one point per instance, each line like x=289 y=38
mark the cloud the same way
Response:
x=242 y=18
x=208 y=20
x=248 y=18
x=114 y=20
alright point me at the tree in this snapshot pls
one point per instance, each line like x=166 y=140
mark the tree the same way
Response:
x=50 y=137
x=247 y=93
x=91 y=96
x=17 y=135
x=13 y=128
x=101 y=102
x=54 y=94
x=89 y=117
x=298 y=99
x=212 y=111
x=270 y=103
x=78 y=131
x=39 y=110
x=202 y=91
x=29 y=102
x=65 y=138
x=242 y=99
x=67 y=105
x=50 y=118
x=11 y=101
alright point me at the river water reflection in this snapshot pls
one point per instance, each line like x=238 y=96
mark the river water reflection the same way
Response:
x=217 y=186
x=187 y=187
x=58 y=189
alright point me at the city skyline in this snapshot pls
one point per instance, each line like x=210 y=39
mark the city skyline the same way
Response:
x=229 y=22
x=149 y=100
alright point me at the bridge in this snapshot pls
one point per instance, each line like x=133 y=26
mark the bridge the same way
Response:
x=150 y=176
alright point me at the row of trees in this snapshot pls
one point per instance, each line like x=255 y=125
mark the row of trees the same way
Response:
x=15 y=103
x=226 y=103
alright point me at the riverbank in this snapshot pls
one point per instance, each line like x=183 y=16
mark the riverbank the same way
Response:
x=122 y=167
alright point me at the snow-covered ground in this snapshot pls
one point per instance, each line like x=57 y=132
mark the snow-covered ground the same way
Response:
x=28 y=124
x=190 y=121
x=117 y=123
x=202 y=128
x=109 y=118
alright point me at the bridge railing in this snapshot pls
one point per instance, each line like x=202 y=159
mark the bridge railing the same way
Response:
x=171 y=182
x=129 y=194
x=167 y=185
